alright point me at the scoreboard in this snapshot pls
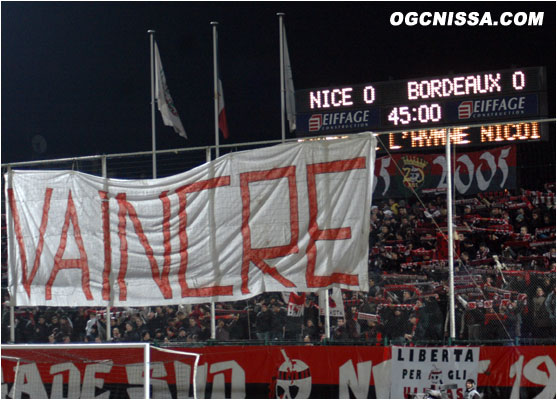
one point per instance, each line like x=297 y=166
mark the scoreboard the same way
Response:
x=418 y=104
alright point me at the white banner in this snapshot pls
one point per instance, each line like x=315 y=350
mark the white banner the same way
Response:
x=336 y=304
x=443 y=370
x=289 y=217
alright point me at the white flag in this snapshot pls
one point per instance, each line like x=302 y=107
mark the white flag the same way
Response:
x=223 y=125
x=336 y=305
x=289 y=83
x=295 y=303
x=164 y=100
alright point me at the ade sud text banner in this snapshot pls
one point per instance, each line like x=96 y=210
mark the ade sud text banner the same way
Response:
x=486 y=170
x=292 y=217
x=292 y=372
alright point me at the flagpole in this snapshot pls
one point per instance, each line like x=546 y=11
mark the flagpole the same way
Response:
x=450 y=232
x=216 y=88
x=153 y=135
x=282 y=88
x=327 y=316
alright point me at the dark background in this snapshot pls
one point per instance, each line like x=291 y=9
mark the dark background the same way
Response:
x=77 y=74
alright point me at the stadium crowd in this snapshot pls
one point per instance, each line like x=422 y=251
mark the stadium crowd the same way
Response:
x=504 y=286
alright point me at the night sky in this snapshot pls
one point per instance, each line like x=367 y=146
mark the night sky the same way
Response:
x=77 y=74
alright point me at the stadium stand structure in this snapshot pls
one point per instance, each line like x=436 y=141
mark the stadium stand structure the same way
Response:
x=504 y=288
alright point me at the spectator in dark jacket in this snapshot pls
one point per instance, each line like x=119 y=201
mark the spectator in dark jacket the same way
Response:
x=540 y=316
x=42 y=330
x=340 y=332
x=395 y=324
x=237 y=327
x=263 y=323
x=193 y=328
x=130 y=333
x=310 y=330
x=221 y=331
x=278 y=321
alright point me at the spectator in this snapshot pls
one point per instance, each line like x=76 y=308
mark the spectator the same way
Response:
x=483 y=252
x=182 y=335
x=221 y=331
x=79 y=324
x=236 y=328
x=66 y=326
x=372 y=332
x=154 y=321
x=54 y=323
x=340 y=333
x=536 y=221
x=395 y=324
x=413 y=331
x=205 y=333
x=263 y=323
x=473 y=320
x=293 y=328
x=511 y=320
x=138 y=323
x=471 y=392
x=145 y=336
x=182 y=320
x=494 y=325
x=278 y=321
x=353 y=329
x=42 y=329
x=193 y=328
x=310 y=330
x=171 y=335
x=92 y=334
x=92 y=322
x=550 y=307
x=540 y=316
x=130 y=333
x=116 y=336
x=159 y=335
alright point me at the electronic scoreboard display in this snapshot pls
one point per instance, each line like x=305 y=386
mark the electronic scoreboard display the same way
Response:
x=418 y=104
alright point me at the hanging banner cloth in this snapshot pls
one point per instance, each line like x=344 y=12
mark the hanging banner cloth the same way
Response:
x=292 y=217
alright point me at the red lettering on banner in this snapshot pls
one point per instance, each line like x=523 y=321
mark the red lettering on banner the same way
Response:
x=257 y=256
x=326 y=234
x=74 y=263
x=26 y=281
x=166 y=233
x=182 y=194
x=107 y=245
x=160 y=279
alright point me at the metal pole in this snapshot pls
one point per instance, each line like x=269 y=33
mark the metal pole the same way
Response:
x=147 y=372
x=450 y=232
x=282 y=87
x=11 y=257
x=153 y=133
x=208 y=154
x=213 y=325
x=12 y=320
x=105 y=188
x=327 y=316
x=208 y=159
x=216 y=88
